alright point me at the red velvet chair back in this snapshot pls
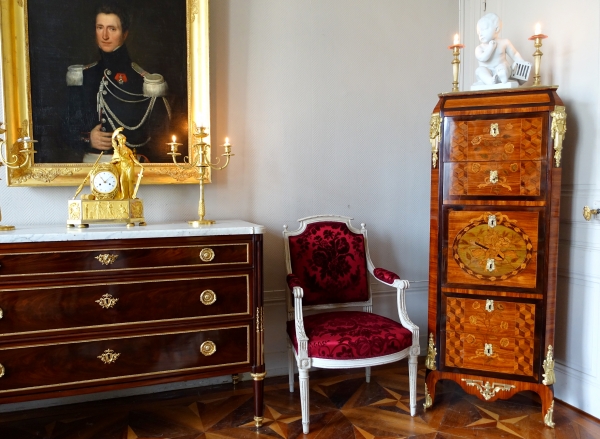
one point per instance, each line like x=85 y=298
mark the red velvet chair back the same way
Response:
x=330 y=261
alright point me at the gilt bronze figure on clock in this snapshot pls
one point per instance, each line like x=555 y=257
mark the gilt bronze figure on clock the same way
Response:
x=113 y=198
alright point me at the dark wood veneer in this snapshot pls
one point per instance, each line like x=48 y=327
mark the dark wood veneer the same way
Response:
x=52 y=329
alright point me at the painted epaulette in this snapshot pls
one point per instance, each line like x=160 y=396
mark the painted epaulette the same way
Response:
x=75 y=73
x=155 y=85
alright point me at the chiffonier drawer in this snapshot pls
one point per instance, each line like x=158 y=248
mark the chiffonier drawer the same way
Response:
x=98 y=361
x=490 y=353
x=498 y=247
x=490 y=335
x=19 y=264
x=495 y=157
x=120 y=303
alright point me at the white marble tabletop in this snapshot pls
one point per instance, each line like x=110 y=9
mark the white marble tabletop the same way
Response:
x=41 y=233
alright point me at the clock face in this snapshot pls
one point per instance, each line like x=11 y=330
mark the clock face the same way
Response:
x=492 y=248
x=104 y=182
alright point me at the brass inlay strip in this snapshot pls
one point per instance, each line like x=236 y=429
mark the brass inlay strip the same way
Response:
x=247 y=261
x=141 y=374
x=247 y=312
x=2 y=371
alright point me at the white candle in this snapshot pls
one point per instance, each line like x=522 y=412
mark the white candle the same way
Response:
x=174 y=138
x=227 y=141
x=538 y=29
x=456 y=40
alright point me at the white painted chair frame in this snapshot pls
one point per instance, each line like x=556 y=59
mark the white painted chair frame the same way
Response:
x=295 y=311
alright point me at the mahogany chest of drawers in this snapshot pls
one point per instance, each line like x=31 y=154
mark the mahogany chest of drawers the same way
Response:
x=109 y=308
x=495 y=193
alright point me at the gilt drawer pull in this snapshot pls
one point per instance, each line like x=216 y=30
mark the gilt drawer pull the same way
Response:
x=207 y=254
x=208 y=348
x=106 y=259
x=208 y=297
x=107 y=301
x=109 y=356
x=1 y=313
x=2 y=370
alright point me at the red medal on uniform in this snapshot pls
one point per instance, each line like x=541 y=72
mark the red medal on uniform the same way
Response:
x=121 y=78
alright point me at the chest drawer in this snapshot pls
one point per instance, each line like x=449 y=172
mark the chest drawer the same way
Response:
x=122 y=303
x=19 y=262
x=110 y=360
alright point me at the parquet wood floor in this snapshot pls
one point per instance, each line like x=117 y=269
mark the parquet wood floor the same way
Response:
x=343 y=406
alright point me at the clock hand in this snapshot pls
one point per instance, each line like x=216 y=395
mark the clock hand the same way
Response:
x=498 y=253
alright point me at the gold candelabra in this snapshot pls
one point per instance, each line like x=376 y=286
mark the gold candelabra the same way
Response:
x=456 y=61
x=22 y=158
x=200 y=158
x=537 y=55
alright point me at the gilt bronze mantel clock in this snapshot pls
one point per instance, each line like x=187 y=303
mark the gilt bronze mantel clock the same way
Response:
x=113 y=198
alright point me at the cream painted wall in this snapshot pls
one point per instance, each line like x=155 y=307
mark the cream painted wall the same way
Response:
x=327 y=104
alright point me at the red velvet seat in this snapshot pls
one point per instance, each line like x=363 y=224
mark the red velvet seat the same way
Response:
x=328 y=264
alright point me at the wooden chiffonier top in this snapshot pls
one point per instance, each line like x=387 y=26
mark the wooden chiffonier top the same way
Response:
x=102 y=308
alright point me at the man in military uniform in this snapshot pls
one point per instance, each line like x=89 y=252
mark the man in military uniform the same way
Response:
x=115 y=92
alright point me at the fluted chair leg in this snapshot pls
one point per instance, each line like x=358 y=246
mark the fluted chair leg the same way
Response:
x=291 y=361
x=412 y=380
x=304 y=399
x=368 y=374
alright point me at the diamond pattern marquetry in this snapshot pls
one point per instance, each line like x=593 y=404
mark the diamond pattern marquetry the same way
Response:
x=531 y=138
x=455 y=314
x=459 y=145
x=459 y=179
x=454 y=349
x=525 y=321
x=524 y=356
x=530 y=178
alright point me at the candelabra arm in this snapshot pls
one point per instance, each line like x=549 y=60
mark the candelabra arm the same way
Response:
x=25 y=153
x=202 y=162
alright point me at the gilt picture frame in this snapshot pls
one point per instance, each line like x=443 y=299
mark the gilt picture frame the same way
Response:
x=24 y=63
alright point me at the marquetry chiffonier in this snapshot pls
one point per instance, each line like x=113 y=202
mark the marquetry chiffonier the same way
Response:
x=110 y=307
x=495 y=193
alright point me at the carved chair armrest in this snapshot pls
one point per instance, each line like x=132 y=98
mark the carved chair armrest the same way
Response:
x=295 y=286
x=401 y=287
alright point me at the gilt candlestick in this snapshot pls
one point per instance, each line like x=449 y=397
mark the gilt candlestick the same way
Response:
x=537 y=56
x=455 y=62
x=200 y=160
